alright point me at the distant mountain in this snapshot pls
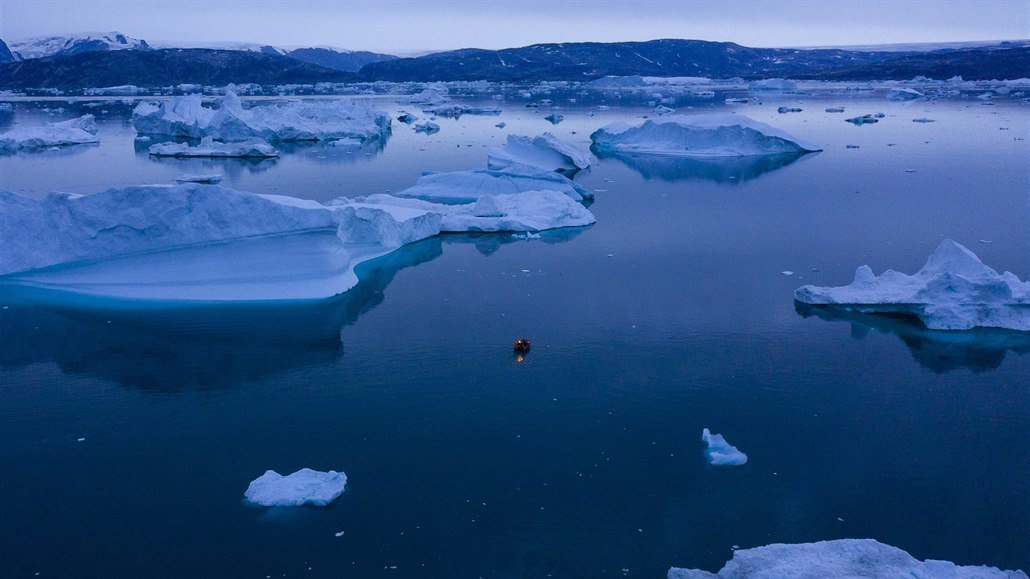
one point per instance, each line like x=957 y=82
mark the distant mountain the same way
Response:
x=5 y=54
x=590 y=60
x=70 y=45
x=998 y=62
x=156 y=68
x=344 y=60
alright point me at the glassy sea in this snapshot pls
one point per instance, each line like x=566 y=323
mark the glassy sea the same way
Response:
x=128 y=436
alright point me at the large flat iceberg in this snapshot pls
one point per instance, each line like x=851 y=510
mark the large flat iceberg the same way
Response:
x=953 y=291
x=303 y=487
x=469 y=186
x=78 y=131
x=186 y=117
x=840 y=558
x=205 y=243
x=715 y=135
x=545 y=152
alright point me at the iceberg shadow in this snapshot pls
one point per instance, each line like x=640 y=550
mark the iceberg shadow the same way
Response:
x=717 y=169
x=487 y=243
x=172 y=347
x=941 y=351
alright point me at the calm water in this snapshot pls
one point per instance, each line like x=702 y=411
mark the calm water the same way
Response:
x=667 y=316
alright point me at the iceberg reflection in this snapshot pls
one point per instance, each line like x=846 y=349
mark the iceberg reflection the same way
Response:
x=718 y=169
x=978 y=350
x=173 y=347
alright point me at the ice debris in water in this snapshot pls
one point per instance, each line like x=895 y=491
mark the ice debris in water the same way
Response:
x=427 y=128
x=839 y=558
x=62 y=134
x=210 y=179
x=783 y=110
x=716 y=135
x=904 y=94
x=254 y=148
x=922 y=120
x=866 y=119
x=544 y=152
x=305 y=486
x=953 y=291
x=720 y=452
x=835 y=109
x=773 y=84
x=186 y=117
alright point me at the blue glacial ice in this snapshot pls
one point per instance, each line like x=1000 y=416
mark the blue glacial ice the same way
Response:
x=719 y=452
x=545 y=152
x=82 y=130
x=304 y=487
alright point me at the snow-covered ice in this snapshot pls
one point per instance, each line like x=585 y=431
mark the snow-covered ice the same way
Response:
x=254 y=148
x=715 y=135
x=303 y=487
x=186 y=117
x=904 y=94
x=719 y=452
x=545 y=152
x=429 y=97
x=469 y=186
x=773 y=84
x=953 y=291
x=61 y=134
x=839 y=558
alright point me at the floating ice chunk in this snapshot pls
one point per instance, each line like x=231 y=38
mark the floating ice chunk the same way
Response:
x=303 y=487
x=698 y=136
x=720 y=452
x=773 y=84
x=427 y=128
x=501 y=125
x=210 y=179
x=839 y=558
x=407 y=118
x=429 y=97
x=469 y=186
x=62 y=134
x=783 y=110
x=255 y=148
x=6 y=108
x=953 y=291
x=554 y=118
x=864 y=119
x=618 y=82
x=663 y=110
x=904 y=94
x=835 y=109
x=294 y=121
x=545 y=152
x=737 y=101
x=455 y=111
x=923 y=120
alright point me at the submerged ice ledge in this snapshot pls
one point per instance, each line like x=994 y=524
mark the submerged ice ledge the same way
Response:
x=840 y=558
x=195 y=242
x=953 y=291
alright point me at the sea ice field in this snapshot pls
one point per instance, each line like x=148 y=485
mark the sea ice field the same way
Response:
x=658 y=295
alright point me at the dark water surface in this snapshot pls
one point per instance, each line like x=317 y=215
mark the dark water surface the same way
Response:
x=669 y=315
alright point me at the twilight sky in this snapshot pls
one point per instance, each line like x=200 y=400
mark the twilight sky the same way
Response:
x=405 y=26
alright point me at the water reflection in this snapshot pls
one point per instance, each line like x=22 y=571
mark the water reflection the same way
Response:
x=488 y=243
x=978 y=350
x=174 y=348
x=720 y=170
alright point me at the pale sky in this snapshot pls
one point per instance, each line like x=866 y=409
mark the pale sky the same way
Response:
x=406 y=26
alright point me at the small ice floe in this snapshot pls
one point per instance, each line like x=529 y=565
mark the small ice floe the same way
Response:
x=209 y=179
x=737 y=101
x=339 y=533
x=456 y=111
x=866 y=119
x=305 y=486
x=82 y=440
x=851 y=146
x=904 y=94
x=953 y=291
x=78 y=131
x=720 y=452
x=787 y=272
x=406 y=118
x=663 y=110
x=554 y=118
x=254 y=148
x=839 y=558
x=835 y=109
x=716 y=135
x=783 y=110
x=501 y=125
x=427 y=128
x=923 y=120
x=545 y=152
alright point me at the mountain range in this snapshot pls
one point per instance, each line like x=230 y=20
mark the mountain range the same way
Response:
x=113 y=59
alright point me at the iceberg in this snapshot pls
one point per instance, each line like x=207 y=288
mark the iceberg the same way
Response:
x=455 y=111
x=61 y=134
x=429 y=97
x=254 y=148
x=698 y=136
x=904 y=94
x=719 y=452
x=772 y=84
x=953 y=291
x=469 y=186
x=545 y=152
x=303 y=487
x=427 y=128
x=204 y=243
x=839 y=558
x=186 y=117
